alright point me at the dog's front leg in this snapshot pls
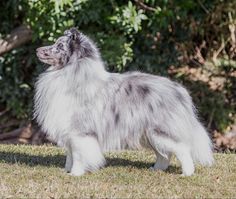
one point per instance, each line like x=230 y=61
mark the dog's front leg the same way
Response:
x=69 y=160
x=86 y=154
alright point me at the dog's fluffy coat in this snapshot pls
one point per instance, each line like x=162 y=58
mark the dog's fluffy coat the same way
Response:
x=87 y=110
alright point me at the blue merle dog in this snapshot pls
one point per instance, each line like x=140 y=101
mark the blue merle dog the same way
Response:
x=88 y=111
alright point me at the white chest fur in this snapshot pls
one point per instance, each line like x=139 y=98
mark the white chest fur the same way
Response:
x=63 y=95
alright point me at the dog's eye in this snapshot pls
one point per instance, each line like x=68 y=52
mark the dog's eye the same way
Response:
x=60 y=46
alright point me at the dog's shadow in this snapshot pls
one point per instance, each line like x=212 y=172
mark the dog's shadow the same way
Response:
x=117 y=162
x=59 y=161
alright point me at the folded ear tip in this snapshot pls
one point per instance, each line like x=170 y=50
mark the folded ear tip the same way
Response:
x=74 y=29
x=71 y=31
x=66 y=32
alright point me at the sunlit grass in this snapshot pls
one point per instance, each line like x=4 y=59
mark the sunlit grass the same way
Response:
x=37 y=172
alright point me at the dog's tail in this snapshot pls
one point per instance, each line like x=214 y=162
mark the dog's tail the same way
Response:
x=201 y=145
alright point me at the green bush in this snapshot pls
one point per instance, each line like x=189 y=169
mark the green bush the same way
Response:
x=147 y=35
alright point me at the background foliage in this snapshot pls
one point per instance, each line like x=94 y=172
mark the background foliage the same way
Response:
x=172 y=38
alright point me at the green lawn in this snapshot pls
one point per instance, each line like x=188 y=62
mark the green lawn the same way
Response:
x=37 y=172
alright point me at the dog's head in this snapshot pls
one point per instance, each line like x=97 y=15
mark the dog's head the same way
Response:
x=72 y=44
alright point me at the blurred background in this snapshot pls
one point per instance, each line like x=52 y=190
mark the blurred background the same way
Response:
x=190 y=41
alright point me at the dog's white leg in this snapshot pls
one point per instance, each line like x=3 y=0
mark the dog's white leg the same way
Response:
x=69 y=160
x=78 y=167
x=161 y=148
x=86 y=155
x=162 y=162
x=165 y=145
x=184 y=156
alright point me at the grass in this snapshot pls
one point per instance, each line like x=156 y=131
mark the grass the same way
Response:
x=37 y=172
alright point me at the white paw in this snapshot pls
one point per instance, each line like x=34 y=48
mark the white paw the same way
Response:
x=67 y=169
x=151 y=169
x=77 y=172
x=161 y=168
x=161 y=165
x=186 y=175
x=188 y=172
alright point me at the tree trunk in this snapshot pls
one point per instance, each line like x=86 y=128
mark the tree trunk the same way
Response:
x=18 y=37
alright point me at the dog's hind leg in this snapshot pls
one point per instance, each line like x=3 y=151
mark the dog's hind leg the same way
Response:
x=162 y=161
x=183 y=154
x=164 y=146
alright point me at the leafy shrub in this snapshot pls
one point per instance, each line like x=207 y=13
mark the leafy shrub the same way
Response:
x=147 y=35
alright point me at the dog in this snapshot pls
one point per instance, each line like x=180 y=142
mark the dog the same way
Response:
x=88 y=111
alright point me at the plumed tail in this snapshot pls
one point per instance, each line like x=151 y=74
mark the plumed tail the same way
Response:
x=202 y=146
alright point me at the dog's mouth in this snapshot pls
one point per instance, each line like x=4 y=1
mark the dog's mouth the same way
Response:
x=44 y=57
x=45 y=60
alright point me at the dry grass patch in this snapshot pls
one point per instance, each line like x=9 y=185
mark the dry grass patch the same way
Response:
x=37 y=172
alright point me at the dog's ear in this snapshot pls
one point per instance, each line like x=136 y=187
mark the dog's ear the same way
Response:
x=73 y=33
x=74 y=39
